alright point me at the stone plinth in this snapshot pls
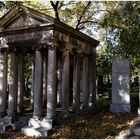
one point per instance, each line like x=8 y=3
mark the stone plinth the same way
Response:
x=38 y=128
x=120 y=86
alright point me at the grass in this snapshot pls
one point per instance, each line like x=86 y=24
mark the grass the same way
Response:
x=99 y=123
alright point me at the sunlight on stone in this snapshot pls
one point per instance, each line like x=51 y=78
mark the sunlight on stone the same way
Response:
x=3 y=42
x=10 y=98
x=49 y=89
x=125 y=98
x=0 y=100
x=120 y=78
x=49 y=105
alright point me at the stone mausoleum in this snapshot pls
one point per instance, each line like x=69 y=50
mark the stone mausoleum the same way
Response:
x=63 y=69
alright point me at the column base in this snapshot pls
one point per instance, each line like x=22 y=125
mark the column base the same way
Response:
x=9 y=119
x=38 y=128
x=138 y=110
x=117 y=108
x=7 y=123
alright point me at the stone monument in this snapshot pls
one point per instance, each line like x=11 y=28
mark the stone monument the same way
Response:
x=120 y=86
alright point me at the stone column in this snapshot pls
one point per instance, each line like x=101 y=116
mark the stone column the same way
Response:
x=33 y=79
x=59 y=84
x=65 y=84
x=45 y=79
x=38 y=85
x=139 y=91
x=93 y=68
x=13 y=85
x=76 y=84
x=90 y=81
x=3 y=83
x=20 y=83
x=51 y=84
x=85 y=82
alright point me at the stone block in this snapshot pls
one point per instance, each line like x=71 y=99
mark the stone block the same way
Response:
x=9 y=119
x=37 y=132
x=47 y=123
x=137 y=131
x=125 y=134
x=117 y=108
x=34 y=123
x=38 y=128
x=120 y=86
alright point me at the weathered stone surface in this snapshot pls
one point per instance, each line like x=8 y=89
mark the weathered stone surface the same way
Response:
x=59 y=79
x=65 y=85
x=38 y=128
x=13 y=85
x=85 y=82
x=51 y=83
x=93 y=67
x=7 y=123
x=3 y=83
x=37 y=132
x=20 y=83
x=120 y=86
x=76 y=84
x=139 y=110
x=44 y=98
x=33 y=79
x=125 y=134
x=38 y=85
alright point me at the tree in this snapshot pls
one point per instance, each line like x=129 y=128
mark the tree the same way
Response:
x=121 y=23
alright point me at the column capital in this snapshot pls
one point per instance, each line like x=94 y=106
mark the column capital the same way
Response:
x=52 y=47
x=66 y=52
x=38 y=48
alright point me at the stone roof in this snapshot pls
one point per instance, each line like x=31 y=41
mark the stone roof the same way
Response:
x=21 y=17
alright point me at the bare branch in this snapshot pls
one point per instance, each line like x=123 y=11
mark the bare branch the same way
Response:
x=83 y=13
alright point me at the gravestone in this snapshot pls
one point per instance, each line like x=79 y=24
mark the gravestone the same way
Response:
x=139 y=90
x=120 y=86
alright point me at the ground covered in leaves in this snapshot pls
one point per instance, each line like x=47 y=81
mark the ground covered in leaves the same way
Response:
x=96 y=124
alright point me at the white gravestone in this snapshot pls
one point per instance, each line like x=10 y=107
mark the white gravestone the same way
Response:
x=120 y=86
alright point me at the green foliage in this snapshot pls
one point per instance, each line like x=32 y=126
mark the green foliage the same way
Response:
x=121 y=24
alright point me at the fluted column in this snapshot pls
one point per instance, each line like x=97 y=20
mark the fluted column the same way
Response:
x=37 y=112
x=59 y=78
x=45 y=78
x=3 y=83
x=85 y=82
x=66 y=84
x=90 y=81
x=20 y=83
x=13 y=85
x=94 y=95
x=51 y=83
x=33 y=79
x=76 y=84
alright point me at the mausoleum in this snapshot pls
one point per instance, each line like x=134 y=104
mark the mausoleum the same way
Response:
x=63 y=69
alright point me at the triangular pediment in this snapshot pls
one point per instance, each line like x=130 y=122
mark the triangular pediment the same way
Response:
x=21 y=16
